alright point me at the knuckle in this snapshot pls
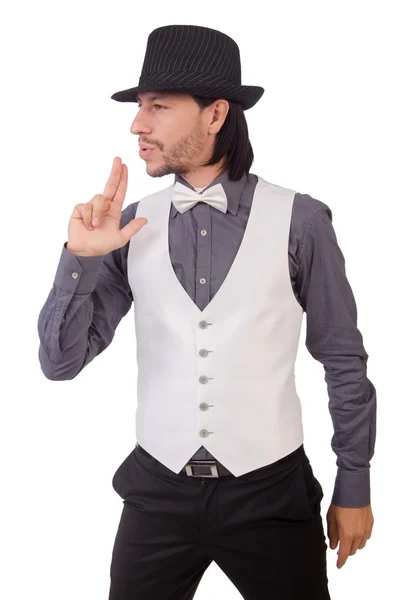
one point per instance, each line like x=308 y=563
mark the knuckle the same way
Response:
x=98 y=202
x=87 y=213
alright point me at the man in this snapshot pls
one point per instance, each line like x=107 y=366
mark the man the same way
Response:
x=220 y=267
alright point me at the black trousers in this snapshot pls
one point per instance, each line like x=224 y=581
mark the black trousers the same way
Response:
x=263 y=529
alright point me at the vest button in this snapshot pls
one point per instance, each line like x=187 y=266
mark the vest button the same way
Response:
x=203 y=352
x=203 y=406
x=203 y=324
x=203 y=232
x=203 y=433
x=203 y=379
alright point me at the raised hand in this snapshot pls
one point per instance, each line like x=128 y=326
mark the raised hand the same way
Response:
x=94 y=227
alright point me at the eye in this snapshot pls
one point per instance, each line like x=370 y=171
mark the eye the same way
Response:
x=158 y=106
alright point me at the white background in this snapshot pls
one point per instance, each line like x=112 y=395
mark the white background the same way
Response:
x=326 y=125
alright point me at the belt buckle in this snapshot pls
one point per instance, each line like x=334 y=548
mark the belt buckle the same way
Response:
x=211 y=464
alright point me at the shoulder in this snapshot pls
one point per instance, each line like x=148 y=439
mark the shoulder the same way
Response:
x=311 y=226
x=308 y=213
x=304 y=207
x=311 y=220
x=307 y=206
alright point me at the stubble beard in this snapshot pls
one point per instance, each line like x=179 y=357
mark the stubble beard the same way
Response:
x=178 y=158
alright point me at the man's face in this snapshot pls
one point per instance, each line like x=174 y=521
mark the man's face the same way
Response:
x=172 y=125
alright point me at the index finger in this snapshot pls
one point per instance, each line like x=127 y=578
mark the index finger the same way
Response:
x=112 y=183
x=344 y=551
x=122 y=188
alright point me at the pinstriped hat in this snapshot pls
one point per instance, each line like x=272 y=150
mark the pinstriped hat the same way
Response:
x=195 y=60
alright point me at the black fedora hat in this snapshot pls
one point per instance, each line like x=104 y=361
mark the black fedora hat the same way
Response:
x=195 y=60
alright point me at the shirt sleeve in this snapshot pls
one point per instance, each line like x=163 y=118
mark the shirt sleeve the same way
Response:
x=333 y=339
x=89 y=297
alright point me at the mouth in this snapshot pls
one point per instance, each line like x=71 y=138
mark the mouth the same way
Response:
x=144 y=152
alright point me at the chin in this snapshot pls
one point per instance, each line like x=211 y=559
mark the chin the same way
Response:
x=158 y=171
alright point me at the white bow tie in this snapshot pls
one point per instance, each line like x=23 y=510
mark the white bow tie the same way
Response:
x=184 y=198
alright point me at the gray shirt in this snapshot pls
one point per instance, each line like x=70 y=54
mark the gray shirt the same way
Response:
x=90 y=296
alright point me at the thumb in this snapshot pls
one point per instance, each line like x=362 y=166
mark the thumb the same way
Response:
x=132 y=227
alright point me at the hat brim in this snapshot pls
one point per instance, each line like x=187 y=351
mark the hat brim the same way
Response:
x=207 y=86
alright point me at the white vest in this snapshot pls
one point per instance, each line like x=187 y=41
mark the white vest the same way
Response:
x=239 y=400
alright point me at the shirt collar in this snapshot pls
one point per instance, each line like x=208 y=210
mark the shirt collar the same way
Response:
x=233 y=190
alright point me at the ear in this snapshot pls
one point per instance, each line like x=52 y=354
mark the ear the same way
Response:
x=220 y=108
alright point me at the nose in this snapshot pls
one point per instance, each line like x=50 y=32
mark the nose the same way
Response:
x=140 y=124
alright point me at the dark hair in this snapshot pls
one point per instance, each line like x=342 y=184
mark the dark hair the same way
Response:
x=232 y=141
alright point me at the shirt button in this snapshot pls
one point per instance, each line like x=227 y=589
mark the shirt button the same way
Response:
x=203 y=280
x=203 y=406
x=203 y=232
x=203 y=352
x=203 y=433
x=75 y=275
x=203 y=379
x=203 y=324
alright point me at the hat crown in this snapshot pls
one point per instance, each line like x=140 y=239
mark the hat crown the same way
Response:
x=195 y=60
x=191 y=48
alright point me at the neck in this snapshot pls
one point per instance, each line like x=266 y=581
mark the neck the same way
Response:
x=201 y=177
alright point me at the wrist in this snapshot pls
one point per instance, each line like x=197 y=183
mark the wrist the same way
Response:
x=79 y=253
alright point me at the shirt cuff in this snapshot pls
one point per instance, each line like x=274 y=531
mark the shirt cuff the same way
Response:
x=77 y=274
x=352 y=488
